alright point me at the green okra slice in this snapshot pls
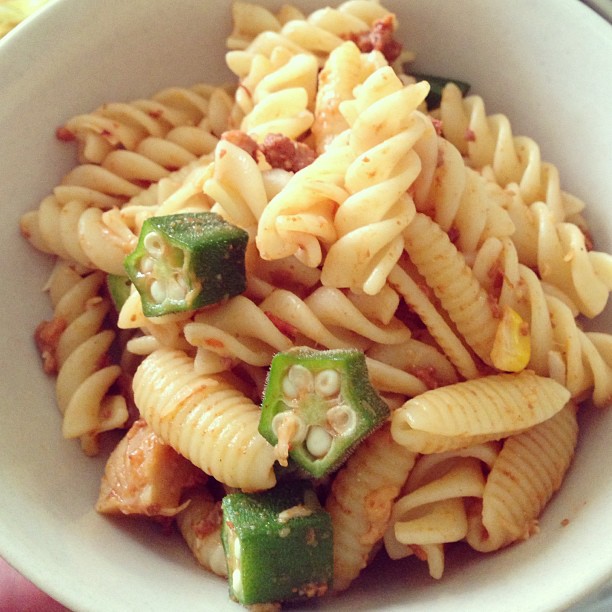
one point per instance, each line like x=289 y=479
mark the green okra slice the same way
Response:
x=119 y=289
x=185 y=261
x=278 y=544
x=437 y=84
x=319 y=405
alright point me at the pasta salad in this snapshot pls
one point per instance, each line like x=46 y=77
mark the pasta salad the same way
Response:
x=332 y=311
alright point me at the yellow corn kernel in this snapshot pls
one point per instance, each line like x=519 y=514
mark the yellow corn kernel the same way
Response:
x=512 y=345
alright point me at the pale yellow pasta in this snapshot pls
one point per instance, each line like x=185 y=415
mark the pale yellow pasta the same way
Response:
x=460 y=293
x=487 y=140
x=426 y=519
x=423 y=360
x=335 y=310
x=181 y=191
x=126 y=125
x=205 y=419
x=559 y=250
x=384 y=128
x=464 y=202
x=63 y=224
x=528 y=470
x=101 y=239
x=491 y=406
x=299 y=219
x=264 y=276
x=381 y=307
x=361 y=500
x=162 y=331
x=284 y=112
x=248 y=21
x=564 y=262
x=454 y=284
x=309 y=330
x=236 y=185
x=200 y=526
x=431 y=512
x=80 y=348
x=238 y=331
x=271 y=75
x=345 y=68
x=317 y=34
x=438 y=327
x=559 y=347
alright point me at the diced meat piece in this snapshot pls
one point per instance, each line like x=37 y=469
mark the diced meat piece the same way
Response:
x=144 y=476
x=379 y=38
x=243 y=140
x=282 y=152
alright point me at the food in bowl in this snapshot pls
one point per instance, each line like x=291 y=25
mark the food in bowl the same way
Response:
x=430 y=241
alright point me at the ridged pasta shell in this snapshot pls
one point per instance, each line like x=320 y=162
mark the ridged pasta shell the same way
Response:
x=488 y=406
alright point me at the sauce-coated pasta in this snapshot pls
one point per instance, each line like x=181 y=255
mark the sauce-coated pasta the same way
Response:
x=432 y=240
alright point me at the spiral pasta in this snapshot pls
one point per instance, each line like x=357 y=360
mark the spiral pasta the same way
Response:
x=299 y=219
x=560 y=348
x=307 y=328
x=277 y=95
x=178 y=133
x=126 y=126
x=238 y=331
x=344 y=69
x=370 y=221
x=560 y=251
x=96 y=238
x=318 y=34
x=236 y=185
x=75 y=345
x=464 y=202
x=205 y=419
x=250 y=19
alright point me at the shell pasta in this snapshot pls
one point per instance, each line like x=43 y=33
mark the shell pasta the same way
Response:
x=350 y=218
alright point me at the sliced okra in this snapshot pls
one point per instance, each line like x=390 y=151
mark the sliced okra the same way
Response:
x=278 y=544
x=185 y=261
x=318 y=405
x=119 y=289
x=437 y=84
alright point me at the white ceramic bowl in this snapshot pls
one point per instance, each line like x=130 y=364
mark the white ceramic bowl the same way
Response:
x=547 y=65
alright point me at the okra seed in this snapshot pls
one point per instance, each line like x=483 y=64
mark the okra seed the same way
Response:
x=237 y=583
x=299 y=380
x=289 y=389
x=342 y=419
x=237 y=549
x=154 y=245
x=218 y=563
x=327 y=383
x=288 y=425
x=157 y=292
x=146 y=265
x=174 y=290
x=318 y=441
